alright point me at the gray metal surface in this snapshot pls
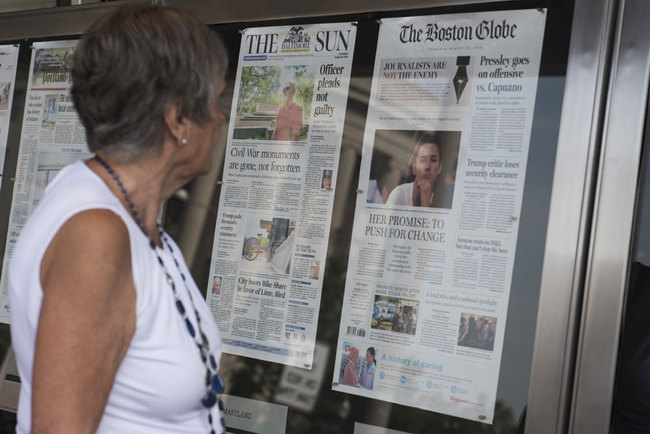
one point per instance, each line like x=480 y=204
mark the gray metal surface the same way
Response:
x=569 y=218
x=21 y=5
x=73 y=20
x=613 y=217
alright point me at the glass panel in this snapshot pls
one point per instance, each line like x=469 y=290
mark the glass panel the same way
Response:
x=335 y=412
x=191 y=215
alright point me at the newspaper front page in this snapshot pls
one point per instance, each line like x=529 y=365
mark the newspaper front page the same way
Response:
x=8 y=63
x=52 y=137
x=272 y=228
x=435 y=229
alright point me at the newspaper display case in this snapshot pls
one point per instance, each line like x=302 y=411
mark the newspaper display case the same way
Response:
x=512 y=251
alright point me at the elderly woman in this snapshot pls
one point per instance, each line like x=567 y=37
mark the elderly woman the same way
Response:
x=110 y=332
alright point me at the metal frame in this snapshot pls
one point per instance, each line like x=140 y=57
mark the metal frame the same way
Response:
x=73 y=20
x=613 y=222
x=570 y=217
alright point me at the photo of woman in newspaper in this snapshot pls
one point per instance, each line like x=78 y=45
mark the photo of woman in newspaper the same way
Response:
x=357 y=369
x=350 y=365
x=425 y=164
x=367 y=377
x=429 y=160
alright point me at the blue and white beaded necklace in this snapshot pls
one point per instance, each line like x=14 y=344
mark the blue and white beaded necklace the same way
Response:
x=213 y=381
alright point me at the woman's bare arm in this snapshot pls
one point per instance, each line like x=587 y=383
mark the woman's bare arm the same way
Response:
x=86 y=322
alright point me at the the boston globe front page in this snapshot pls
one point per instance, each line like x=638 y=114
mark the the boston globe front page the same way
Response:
x=435 y=230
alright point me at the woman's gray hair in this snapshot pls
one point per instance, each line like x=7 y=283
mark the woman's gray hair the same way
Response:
x=136 y=62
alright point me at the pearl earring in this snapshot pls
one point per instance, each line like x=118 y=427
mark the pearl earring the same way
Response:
x=184 y=141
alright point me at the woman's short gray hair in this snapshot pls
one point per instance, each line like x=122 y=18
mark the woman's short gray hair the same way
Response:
x=133 y=64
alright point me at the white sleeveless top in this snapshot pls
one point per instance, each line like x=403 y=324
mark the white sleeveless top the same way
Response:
x=160 y=383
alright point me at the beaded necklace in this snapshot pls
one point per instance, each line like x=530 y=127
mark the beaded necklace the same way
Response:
x=213 y=381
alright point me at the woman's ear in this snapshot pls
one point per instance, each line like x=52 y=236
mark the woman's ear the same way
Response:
x=176 y=123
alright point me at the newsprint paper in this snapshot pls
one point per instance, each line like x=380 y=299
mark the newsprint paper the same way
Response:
x=8 y=63
x=52 y=137
x=272 y=230
x=442 y=174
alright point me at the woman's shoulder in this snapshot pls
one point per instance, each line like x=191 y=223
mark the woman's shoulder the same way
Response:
x=405 y=188
x=73 y=193
x=76 y=184
x=92 y=232
x=75 y=189
x=401 y=195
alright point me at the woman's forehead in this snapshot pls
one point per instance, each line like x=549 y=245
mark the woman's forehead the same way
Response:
x=428 y=147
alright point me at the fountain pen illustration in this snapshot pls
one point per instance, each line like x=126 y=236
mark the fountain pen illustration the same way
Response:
x=460 y=79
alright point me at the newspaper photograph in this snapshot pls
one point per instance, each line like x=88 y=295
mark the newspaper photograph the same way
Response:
x=282 y=155
x=52 y=137
x=440 y=189
x=8 y=64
